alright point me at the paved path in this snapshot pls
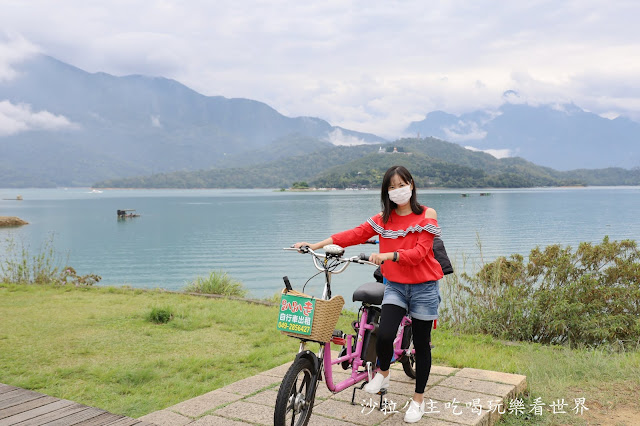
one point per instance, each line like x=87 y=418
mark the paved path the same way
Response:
x=457 y=394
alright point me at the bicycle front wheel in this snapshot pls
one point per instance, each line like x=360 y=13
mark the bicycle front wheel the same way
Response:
x=296 y=395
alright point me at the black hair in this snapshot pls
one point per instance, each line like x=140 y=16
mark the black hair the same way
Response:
x=387 y=204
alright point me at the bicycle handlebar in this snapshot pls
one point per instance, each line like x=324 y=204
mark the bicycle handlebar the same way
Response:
x=330 y=262
x=361 y=258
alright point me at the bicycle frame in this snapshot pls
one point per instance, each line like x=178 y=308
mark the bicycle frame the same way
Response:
x=355 y=356
x=324 y=356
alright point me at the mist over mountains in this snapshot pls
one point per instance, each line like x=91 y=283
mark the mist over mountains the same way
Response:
x=68 y=127
x=62 y=126
x=562 y=137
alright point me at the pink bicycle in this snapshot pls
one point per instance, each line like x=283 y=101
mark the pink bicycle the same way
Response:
x=296 y=395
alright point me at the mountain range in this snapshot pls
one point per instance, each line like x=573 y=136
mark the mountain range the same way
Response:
x=62 y=126
x=73 y=128
x=560 y=136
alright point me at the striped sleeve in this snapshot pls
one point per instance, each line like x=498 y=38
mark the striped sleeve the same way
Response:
x=358 y=235
x=426 y=225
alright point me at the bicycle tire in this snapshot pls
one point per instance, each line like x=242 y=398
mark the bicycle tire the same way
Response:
x=408 y=360
x=296 y=395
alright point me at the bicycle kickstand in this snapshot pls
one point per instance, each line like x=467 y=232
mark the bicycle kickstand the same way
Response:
x=382 y=393
x=353 y=396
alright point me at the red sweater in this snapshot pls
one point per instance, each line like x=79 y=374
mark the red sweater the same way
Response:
x=411 y=236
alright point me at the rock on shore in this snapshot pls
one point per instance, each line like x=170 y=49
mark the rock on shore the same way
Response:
x=11 y=221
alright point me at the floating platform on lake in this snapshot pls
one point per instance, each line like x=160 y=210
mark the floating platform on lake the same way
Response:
x=482 y=194
x=25 y=407
x=6 y=221
x=127 y=213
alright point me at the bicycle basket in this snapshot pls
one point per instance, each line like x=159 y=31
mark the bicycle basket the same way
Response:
x=325 y=315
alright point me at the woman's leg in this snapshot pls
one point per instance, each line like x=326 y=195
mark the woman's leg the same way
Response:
x=387 y=330
x=389 y=322
x=421 y=338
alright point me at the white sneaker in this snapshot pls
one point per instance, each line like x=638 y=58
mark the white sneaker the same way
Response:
x=415 y=412
x=378 y=382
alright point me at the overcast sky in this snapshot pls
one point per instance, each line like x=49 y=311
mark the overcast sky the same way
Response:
x=372 y=66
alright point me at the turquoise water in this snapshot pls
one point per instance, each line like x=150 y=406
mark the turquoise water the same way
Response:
x=185 y=233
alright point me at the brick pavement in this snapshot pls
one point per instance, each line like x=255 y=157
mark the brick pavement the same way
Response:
x=457 y=396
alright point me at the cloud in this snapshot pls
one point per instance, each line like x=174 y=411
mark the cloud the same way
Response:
x=13 y=49
x=371 y=66
x=498 y=153
x=610 y=115
x=512 y=97
x=337 y=137
x=464 y=131
x=140 y=52
x=19 y=118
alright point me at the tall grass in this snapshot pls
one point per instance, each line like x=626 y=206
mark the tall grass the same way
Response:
x=44 y=266
x=21 y=267
x=218 y=282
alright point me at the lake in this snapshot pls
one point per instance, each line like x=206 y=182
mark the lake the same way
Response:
x=185 y=233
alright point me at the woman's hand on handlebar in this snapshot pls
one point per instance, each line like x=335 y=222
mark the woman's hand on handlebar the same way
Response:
x=303 y=246
x=315 y=246
x=378 y=258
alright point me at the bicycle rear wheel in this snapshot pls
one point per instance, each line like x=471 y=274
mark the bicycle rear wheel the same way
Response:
x=409 y=359
x=296 y=396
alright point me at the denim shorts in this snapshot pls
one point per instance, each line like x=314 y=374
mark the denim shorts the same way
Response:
x=420 y=300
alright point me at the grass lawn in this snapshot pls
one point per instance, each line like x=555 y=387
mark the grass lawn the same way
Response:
x=95 y=346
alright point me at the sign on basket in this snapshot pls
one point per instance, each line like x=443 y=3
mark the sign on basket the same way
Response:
x=296 y=314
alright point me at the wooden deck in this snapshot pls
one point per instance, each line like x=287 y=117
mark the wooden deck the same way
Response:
x=27 y=408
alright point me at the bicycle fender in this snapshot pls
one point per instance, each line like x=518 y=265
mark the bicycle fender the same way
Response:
x=311 y=357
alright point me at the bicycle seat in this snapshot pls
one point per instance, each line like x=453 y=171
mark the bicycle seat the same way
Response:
x=370 y=293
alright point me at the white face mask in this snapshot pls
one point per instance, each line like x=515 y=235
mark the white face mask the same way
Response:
x=401 y=196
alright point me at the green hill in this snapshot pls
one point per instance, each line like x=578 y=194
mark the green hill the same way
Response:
x=433 y=163
x=274 y=174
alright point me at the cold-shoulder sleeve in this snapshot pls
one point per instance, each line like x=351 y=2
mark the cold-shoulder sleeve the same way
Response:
x=358 y=235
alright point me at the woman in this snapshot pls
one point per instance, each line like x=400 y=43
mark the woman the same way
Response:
x=406 y=230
